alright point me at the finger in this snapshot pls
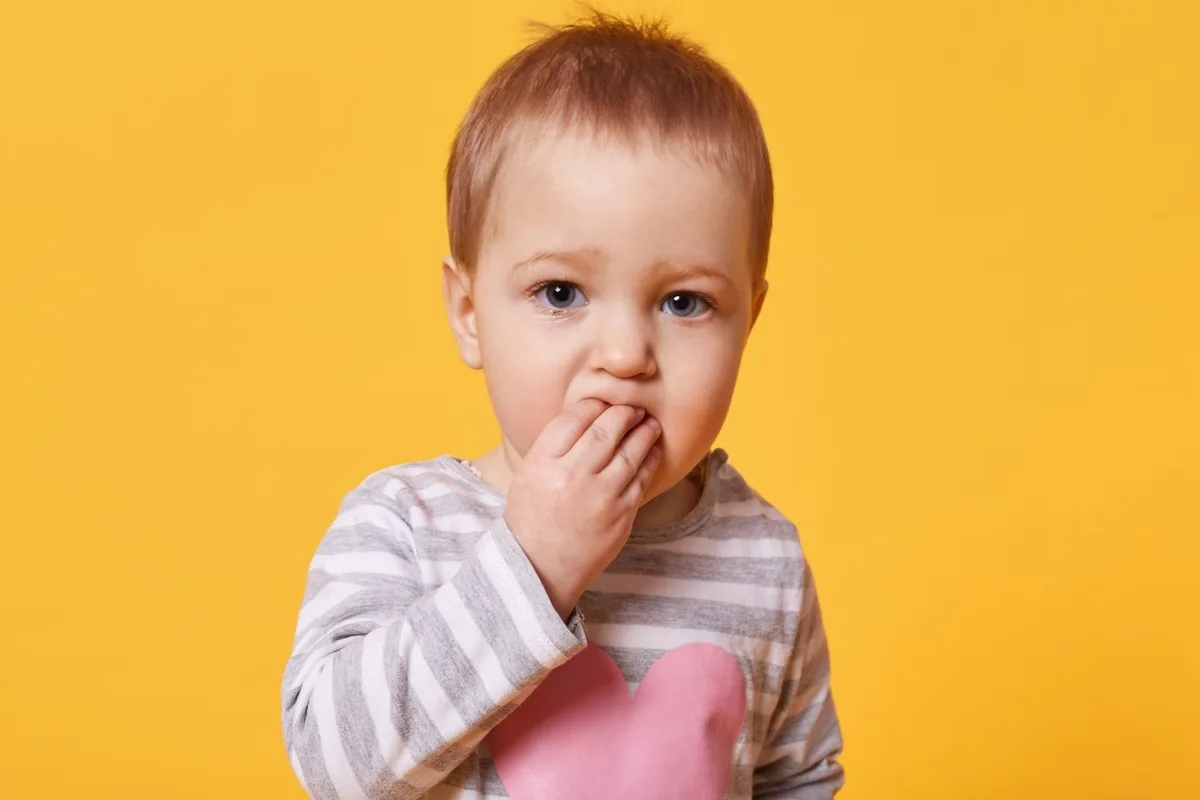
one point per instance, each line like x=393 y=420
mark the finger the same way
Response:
x=596 y=445
x=631 y=453
x=562 y=432
x=635 y=492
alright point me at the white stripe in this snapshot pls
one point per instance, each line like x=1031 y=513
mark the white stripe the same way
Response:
x=306 y=640
x=302 y=682
x=453 y=523
x=417 y=518
x=379 y=703
x=391 y=490
x=415 y=469
x=516 y=603
x=378 y=698
x=748 y=508
x=415 y=772
x=299 y=772
x=369 y=514
x=768 y=597
x=436 y=573
x=336 y=763
x=433 y=697
x=446 y=489
x=331 y=595
x=441 y=489
x=375 y=562
x=401 y=490
x=654 y=637
x=379 y=619
x=741 y=548
x=472 y=641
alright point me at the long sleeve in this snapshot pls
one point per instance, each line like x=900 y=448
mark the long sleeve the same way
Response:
x=799 y=759
x=389 y=685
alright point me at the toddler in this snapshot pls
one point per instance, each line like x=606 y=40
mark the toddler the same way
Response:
x=600 y=608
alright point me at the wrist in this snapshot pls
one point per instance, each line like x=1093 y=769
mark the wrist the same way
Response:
x=564 y=595
x=562 y=590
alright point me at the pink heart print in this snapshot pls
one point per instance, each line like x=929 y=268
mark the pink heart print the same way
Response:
x=582 y=736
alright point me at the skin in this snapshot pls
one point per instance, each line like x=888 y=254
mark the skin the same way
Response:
x=609 y=308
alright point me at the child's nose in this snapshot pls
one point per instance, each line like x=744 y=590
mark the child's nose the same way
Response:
x=624 y=348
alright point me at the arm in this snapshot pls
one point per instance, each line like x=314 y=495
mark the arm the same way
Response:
x=799 y=758
x=389 y=687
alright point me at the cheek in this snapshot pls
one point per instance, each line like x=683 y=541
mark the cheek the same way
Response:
x=699 y=392
x=526 y=393
x=698 y=412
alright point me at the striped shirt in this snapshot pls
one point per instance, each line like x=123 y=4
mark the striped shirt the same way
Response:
x=424 y=625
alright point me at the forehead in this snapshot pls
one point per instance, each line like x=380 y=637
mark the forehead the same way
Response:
x=645 y=198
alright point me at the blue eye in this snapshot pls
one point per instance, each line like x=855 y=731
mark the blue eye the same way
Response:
x=560 y=296
x=685 y=304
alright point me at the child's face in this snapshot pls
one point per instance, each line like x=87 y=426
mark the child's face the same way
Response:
x=615 y=273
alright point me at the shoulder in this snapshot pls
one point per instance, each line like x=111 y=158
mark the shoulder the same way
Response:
x=412 y=493
x=744 y=524
x=741 y=512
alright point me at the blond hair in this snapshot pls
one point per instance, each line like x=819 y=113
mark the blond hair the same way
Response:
x=617 y=77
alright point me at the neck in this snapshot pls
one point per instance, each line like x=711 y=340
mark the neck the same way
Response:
x=498 y=466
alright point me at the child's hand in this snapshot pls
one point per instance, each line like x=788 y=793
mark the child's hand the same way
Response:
x=572 y=501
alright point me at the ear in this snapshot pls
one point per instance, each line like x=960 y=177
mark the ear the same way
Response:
x=460 y=308
x=760 y=297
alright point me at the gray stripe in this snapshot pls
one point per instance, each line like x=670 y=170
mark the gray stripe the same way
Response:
x=440 y=545
x=445 y=505
x=732 y=488
x=768 y=624
x=487 y=608
x=727 y=569
x=478 y=774
x=756 y=527
x=398 y=588
x=450 y=665
x=307 y=749
x=412 y=724
x=365 y=538
x=779 y=770
x=552 y=625
x=364 y=605
x=815 y=710
x=790 y=779
x=429 y=476
x=352 y=717
x=491 y=778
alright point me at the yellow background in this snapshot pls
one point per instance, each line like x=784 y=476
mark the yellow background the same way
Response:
x=975 y=387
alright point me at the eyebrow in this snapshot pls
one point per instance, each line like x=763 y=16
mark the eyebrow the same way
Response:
x=585 y=259
x=582 y=259
x=692 y=270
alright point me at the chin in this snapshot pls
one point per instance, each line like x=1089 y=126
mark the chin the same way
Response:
x=663 y=483
x=655 y=491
